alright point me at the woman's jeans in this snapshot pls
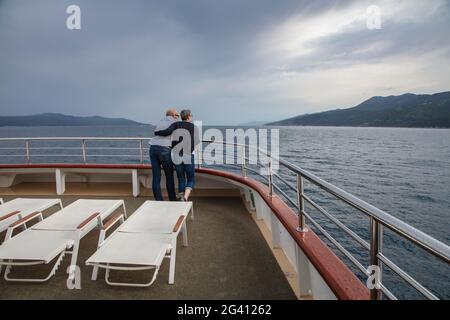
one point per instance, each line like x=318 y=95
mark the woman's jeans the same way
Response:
x=186 y=172
x=161 y=156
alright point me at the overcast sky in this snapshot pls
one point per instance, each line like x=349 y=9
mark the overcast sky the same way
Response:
x=230 y=61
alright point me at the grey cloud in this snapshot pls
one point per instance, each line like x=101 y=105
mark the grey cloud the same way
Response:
x=135 y=58
x=361 y=45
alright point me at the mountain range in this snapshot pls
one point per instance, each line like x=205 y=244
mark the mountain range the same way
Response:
x=57 y=119
x=408 y=110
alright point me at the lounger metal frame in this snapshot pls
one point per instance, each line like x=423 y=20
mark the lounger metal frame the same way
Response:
x=72 y=246
x=169 y=254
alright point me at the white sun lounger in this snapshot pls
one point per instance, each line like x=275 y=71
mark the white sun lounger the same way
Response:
x=16 y=209
x=54 y=236
x=143 y=241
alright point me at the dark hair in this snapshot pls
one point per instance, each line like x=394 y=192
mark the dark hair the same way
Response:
x=185 y=114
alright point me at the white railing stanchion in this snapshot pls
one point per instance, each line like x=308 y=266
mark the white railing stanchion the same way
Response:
x=270 y=178
x=83 y=146
x=301 y=204
x=243 y=167
x=27 y=150
x=141 y=150
x=197 y=153
x=375 y=247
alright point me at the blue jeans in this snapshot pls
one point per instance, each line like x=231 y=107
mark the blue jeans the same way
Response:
x=186 y=171
x=160 y=157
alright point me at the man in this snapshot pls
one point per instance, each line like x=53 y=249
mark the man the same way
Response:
x=184 y=164
x=160 y=149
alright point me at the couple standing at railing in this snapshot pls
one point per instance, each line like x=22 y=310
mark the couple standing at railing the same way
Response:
x=173 y=146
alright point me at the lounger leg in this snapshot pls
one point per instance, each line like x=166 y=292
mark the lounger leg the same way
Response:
x=73 y=261
x=185 y=235
x=94 y=273
x=192 y=212
x=173 y=254
x=101 y=238
x=7 y=271
x=107 y=275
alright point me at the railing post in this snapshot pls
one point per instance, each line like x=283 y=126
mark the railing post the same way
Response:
x=375 y=249
x=244 y=169
x=141 y=150
x=197 y=152
x=301 y=204
x=27 y=150
x=270 y=178
x=84 y=150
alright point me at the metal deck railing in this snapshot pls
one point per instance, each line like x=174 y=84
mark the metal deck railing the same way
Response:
x=27 y=150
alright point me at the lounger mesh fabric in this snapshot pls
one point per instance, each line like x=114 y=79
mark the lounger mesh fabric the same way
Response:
x=36 y=245
x=71 y=216
x=51 y=237
x=143 y=240
x=25 y=206
x=158 y=217
x=133 y=248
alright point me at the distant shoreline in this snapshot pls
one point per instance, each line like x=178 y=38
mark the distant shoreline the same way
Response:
x=58 y=119
x=404 y=111
x=80 y=126
x=362 y=127
x=225 y=126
